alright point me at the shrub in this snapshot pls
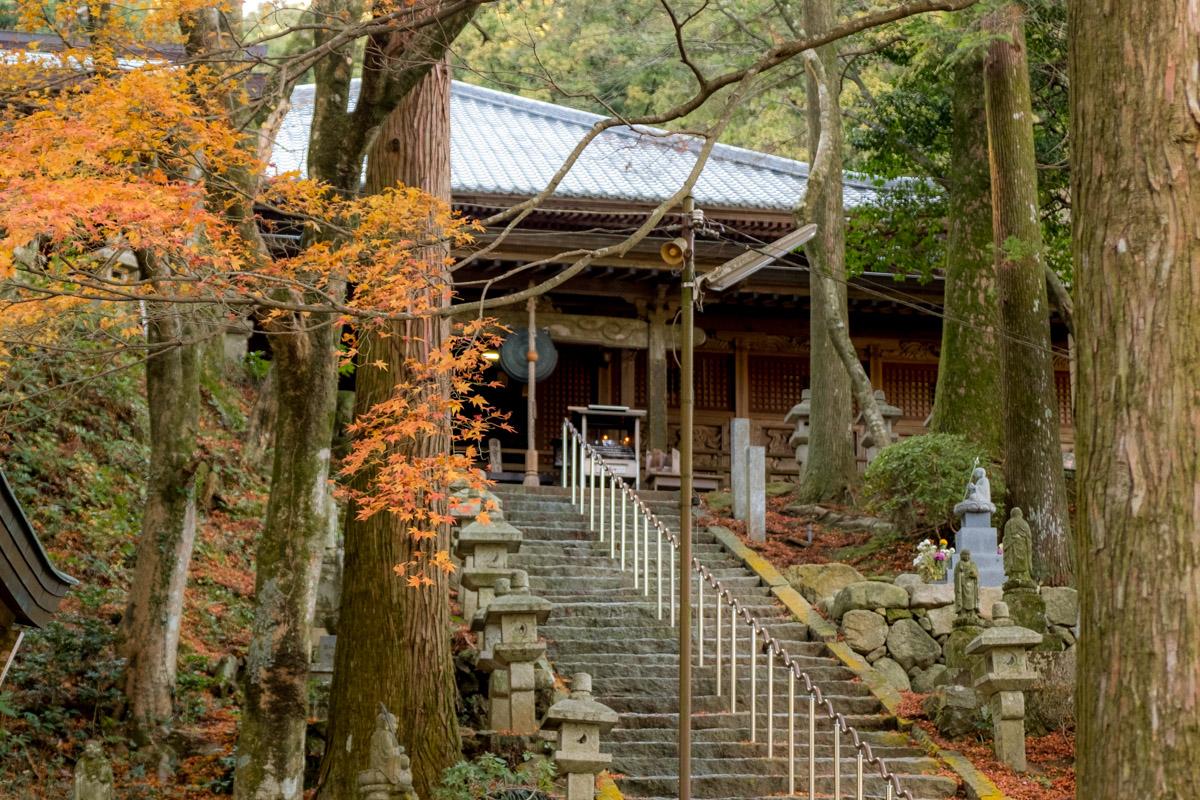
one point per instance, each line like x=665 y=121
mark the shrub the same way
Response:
x=915 y=483
x=491 y=777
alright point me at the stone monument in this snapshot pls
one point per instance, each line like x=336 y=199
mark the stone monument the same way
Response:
x=801 y=414
x=977 y=534
x=93 y=775
x=739 y=444
x=1025 y=603
x=517 y=614
x=756 y=493
x=1001 y=675
x=579 y=721
x=389 y=774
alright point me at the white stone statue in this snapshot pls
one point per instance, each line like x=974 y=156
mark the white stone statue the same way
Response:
x=979 y=495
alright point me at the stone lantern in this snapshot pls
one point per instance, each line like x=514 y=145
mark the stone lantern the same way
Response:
x=484 y=549
x=1002 y=675
x=580 y=721
x=800 y=415
x=517 y=614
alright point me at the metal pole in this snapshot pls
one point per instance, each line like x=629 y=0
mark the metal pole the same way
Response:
x=700 y=619
x=753 y=683
x=687 y=405
x=636 y=548
x=624 y=514
x=771 y=700
x=603 y=494
x=565 y=464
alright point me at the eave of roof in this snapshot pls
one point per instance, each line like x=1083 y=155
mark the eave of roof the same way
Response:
x=30 y=586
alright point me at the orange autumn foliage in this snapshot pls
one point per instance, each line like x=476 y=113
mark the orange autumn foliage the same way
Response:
x=109 y=162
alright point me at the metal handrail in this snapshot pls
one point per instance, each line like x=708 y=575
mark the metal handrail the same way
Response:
x=584 y=491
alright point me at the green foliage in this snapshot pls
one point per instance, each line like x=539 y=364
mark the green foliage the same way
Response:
x=915 y=483
x=257 y=364
x=492 y=778
x=903 y=233
x=63 y=688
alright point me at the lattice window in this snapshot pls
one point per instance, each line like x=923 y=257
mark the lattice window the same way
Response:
x=911 y=387
x=776 y=383
x=714 y=382
x=571 y=384
x=1062 y=386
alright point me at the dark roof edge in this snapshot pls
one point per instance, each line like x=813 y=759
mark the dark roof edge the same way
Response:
x=7 y=496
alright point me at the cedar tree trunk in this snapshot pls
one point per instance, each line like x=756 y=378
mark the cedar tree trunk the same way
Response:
x=831 y=469
x=968 y=399
x=1135 y=175
x=150 y=626
x=1033 y=469
x=394 y=643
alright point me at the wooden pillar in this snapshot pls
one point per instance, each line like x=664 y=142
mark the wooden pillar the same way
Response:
x=656 y=380
x=604 y=377
x=628 y=377
x=875 y=360
x=741 y=379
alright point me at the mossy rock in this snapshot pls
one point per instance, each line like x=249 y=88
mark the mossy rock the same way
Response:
x=1027 y=609
x=955 y=649
x=780 y=488
x=719 y=501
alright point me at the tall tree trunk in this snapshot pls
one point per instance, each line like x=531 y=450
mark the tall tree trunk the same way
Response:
x=271 y=749
x=1135 y=178
x=968 y=400
x=831 y=468
x=825 y=171
x=394 y=641
x=150 y=627
x=1033 y=468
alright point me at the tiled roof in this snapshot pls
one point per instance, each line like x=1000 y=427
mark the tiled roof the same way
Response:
x=505 y=144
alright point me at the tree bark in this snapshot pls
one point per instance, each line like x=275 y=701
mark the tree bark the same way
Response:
x=271 y=749
x=394 y=642
x=831 y=468
x=1135 y=179
x=1033 y=468
x=150 y=626
x=824 y=172
x=968 y=398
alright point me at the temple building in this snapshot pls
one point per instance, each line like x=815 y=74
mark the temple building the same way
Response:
x=615 y=327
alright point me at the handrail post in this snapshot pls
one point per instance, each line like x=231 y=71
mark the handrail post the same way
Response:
x=624 y=512
x=603 y=494
x=812 y=746
x=771 y=700
x=753 y=683
x=791 y=731
x=563 y=453
x=700 y=618
x=837 y=760
x=636 y=549
x=658 y=565
x=612 y=516
x=592 y=493
x=733 y=659
x=717 y=638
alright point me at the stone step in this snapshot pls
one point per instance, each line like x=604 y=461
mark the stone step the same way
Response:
x=827 y=672
x=704 y=682
x=733 y=786
x=551 y=562
x=741 y=720
x=555 y=582
x=712 y=703
x=737 y=740
x=569 y=628
x=900 y=760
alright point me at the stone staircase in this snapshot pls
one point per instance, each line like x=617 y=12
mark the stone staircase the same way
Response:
x=603 y=626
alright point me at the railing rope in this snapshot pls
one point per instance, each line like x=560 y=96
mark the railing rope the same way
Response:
x=599 y=477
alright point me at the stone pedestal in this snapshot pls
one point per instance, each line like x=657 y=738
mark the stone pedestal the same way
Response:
x=517 y=615
x=756 y=494
x=1002 y=675
x=580 y=721
x=484 y=549
x=978 y=536
x=739 y=445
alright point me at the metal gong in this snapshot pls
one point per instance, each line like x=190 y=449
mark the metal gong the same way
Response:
x=512 y=355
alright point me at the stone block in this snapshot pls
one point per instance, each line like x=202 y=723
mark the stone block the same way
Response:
x=817 y=581
x=876 y=654
x=954 y=711
x=894 y=674
x=954 y=651
x=925 y=681
x=739 y=445
x=1027 y=608
x=907 y=579
x=756 y=493
x=897 y=614
x=864 y=630
x=910 y=646
x=1062 y=605
x=930 y=595
x=941 y=620
x=868 y=595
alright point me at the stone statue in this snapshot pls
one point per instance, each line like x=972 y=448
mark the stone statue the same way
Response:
x=93 y=775
x=1018 y=552
x=966 y=590
x=389 y=776
x=979 y=495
